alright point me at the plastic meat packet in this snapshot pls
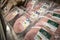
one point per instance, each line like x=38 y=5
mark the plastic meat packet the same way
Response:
x=13 y=13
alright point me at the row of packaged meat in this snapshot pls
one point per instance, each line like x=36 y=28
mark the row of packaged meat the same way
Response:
x=44 y=16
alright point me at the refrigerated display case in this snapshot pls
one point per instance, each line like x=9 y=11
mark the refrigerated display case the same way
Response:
x=31 y=20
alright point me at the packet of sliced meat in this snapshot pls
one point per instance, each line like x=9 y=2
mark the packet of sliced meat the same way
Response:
x=42 y=7
x=54 y=15
x=22 y=23
x=50 y=24
x=37 y=33
x=55 y=7
x=31 y=34
x=42 y=35
x=28 y=19
x=15 y=11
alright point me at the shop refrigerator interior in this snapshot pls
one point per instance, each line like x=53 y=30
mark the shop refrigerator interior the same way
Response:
x=29 y=19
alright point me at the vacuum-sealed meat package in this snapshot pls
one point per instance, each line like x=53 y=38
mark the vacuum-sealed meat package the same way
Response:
x=42 y=35
x=54 y=15
x=13 y=12
x=31 y=34
x=42 y=7
x=2 y=3
x=21 y=23
x=37 y=33
x=50 y=24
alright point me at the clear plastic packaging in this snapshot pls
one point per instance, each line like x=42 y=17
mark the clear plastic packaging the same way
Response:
x=13 y=13
x=51 y=24
x=54 y=15
x=31 y=35
x=21 y=24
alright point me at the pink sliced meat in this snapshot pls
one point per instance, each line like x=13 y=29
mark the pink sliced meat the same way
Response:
x=18 y=27
x=31 y=34
x=10 y=16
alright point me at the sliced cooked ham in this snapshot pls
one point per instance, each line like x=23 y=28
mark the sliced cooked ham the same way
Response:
x=54 y=16
x=21 y=23
x=13 y=12
x=31 y=34
x=10 y=16
x=18 y=26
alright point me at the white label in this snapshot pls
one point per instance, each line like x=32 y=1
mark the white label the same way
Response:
x=14 y=13
x=26 y=23
x=42 y=37
x=52 y=28
x=41 y=10
x=34 y=16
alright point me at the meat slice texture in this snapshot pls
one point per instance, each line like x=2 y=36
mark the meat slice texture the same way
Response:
x=31 y=34
x=13 y=12
x=18 y=27
x=21 y=23
x=10 y=16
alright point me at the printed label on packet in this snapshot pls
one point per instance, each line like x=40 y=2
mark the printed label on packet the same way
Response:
x=51 y=25
x=41 y=10
x=42 y=35
x=14 y=13
x=55 y=15
x=37 y=37
x=26 y=23
x=44 y=7
x=35 y=15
